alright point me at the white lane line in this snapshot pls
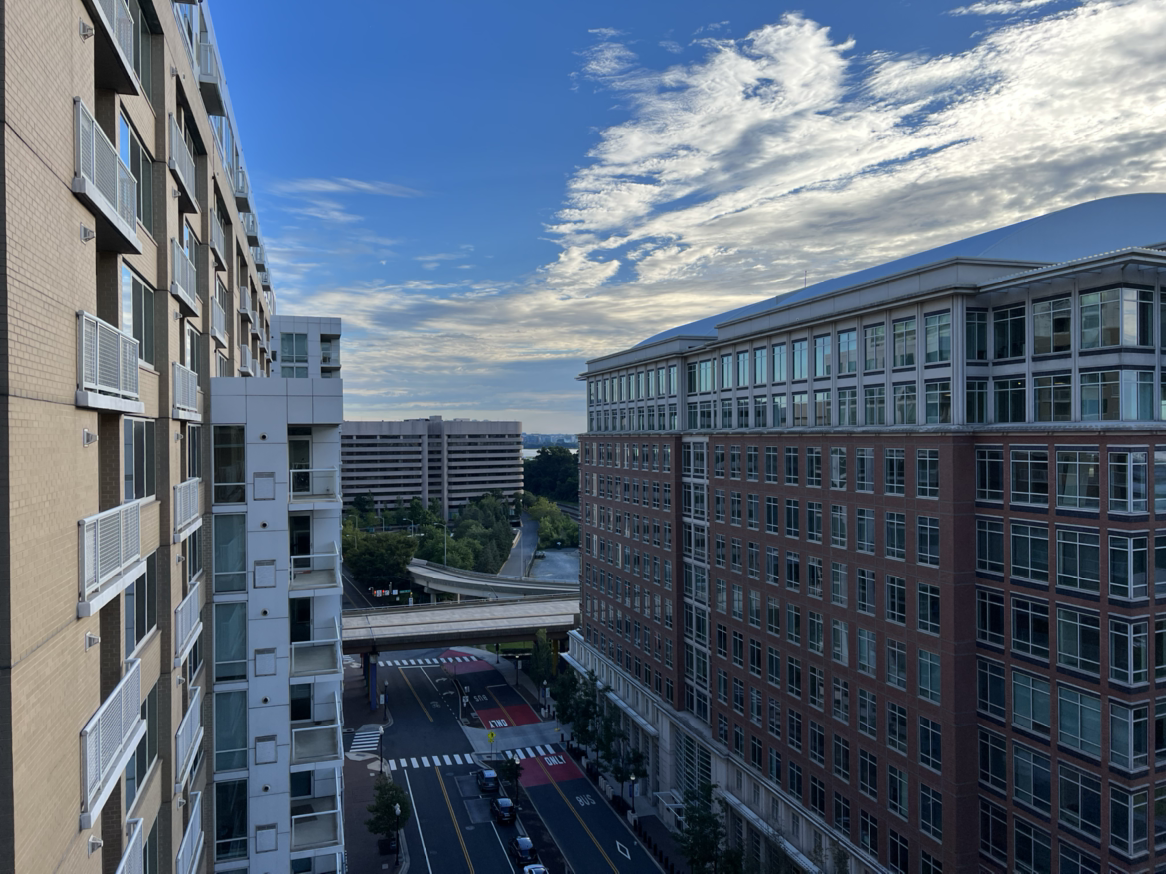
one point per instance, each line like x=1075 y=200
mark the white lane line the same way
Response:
x=413 y=805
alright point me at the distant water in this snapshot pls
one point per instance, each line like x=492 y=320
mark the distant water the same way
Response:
x=531 y=453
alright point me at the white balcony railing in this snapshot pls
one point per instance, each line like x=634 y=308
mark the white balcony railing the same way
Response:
x=110 y=543
x=245 y=310
x=210 y=77
x=186 y=509
x=318 y=484
x=101 y=173
x=321 y=655
x=108 y=739
x=190 y=850
x=108 y=358
x=121 y=22
x=187 y=622
x=185 y=389
x=315 y=822
x=182 y=161
x=218 y=322
x=183 y=276
x=250 y=227
x=259 y=256
x=219 y=239
x=242 y=190
x=187 y=739
x=320 y=742
x=133 y=860
x=245 y=366
x=329 y=353
x=320 y=570
x=265 y=280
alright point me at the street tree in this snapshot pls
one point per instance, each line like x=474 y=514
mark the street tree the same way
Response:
x=553 y=472
x=509 y=770
x=386 y=796
x=542 y=658
x=565 y=692
x=701 y=836
x=376 y=560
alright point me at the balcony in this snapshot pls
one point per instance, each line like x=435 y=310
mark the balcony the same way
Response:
x=218 y=241
x=185 y=393
x=133 y=860
x=186 y=508
x=218 y=322
x=320 y=570
x=250 y=227
x=246 y=367
x=190 y=850
x=107 y=367
x=269 y=301
x=319 y=656
x=105 y=184
x=182 y=165
x=320 y=484
x=187 y=739
x=108 y=740
x=245 y=311
x=183 y=279
x=113 y=50
x=259 y=254
x=187 y=623
x=316 y=822
x=265 y=280
x=320 y=742
x=329 y=355
x=110 y=555
x=242 y=191
x=210 y=78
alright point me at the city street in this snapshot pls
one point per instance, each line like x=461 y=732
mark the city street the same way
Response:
x=428 y=752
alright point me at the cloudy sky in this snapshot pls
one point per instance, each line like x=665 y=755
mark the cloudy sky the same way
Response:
x=490 y=194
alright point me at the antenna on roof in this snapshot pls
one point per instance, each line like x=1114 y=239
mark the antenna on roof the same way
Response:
x=805 y=277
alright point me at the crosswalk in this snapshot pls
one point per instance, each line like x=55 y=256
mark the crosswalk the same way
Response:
x=415 y=663
x=520 y=753
x=365 y=742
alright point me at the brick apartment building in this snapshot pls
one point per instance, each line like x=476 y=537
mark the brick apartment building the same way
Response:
x=135 y=280
x=880 y=558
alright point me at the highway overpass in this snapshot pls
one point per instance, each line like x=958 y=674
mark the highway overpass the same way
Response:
x=454 y=581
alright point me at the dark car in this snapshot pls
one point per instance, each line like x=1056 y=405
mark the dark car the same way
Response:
x=487 y=780
x=522 y=851
x=503 y=809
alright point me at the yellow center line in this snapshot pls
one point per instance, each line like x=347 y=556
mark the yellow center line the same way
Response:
x=456 y=827
x=415 y=695
x=501 y=705
x=577 y=816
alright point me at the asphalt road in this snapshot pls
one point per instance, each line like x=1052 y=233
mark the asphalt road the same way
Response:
x=516 y=564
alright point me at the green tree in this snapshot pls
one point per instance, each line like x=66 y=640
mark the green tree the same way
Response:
x=542 y=658
x=509 y=770
x=378 y=559
x=386 y=795
x=585 y=711
x=364 y=503
x=553 y=472
x=565 y=693
x=701 y=836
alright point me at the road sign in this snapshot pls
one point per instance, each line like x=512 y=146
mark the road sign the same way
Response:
x=490 y=736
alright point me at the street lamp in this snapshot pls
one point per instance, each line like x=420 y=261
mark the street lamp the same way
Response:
x=397 y=812
x=546 y=699
x=633 y=779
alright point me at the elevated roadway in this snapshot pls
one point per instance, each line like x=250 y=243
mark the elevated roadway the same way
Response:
x=494 y=621
x=439 y=578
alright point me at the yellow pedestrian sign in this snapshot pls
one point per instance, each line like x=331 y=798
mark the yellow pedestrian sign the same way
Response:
x=490 y=736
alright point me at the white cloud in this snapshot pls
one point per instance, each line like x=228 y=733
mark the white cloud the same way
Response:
x=999 y=7
x=339 y=184
x=671 y=45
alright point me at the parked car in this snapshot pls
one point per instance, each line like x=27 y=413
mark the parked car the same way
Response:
x=535 y=869
x=503 y=810
x=487 y=780
x=522 y=851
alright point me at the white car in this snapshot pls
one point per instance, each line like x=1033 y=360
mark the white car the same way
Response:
x=534 y=869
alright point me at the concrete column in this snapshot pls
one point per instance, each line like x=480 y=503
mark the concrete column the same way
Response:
x=373 y=698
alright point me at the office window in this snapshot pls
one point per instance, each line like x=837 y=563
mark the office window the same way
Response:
x=1009 y=395
x=868 y=713
x=993 y=830
x=931 y=812
x=1030 y=627
x=1078 y=479
x=1078 y=640
x=848 y=407
x=837 y=468
x=792 y=525
x=1117 y=317
x=928 y=608
x=800 y=363
x=842 y=813
x=905 y=404
x=838 y=526
x=760 y=366
x=814 y=633
x=875 y=405
x=990 y=617
x=976 y=401
x=990 y=688
x=1008 y=332
x=1032 y=849
x=896 y=600
x=895 y=545
x=793 y=571
x=771 y=464
x=927 y=540
x=841 y=757
x=897 y=664
x=904 y=343
x=990 y=545
x=868 y=774
x=894 y=471
x=874 y=347
x=927 y=473
x=993 y=760
x=1128 y=486
x=1079 y=720
x=801 y=409
x=1128 y=742
x=1128 y=651
x=1053 y=398
x=937 y=337
x=1031 y=778
x=840 y=641
x=140 y=466
x=929 y=676
x=794 y=676
x=813 y=466
x=779 y=362
x=864 y=522
x=1079 y=797
x=867 y=652
x=1030 y=477
x=989 y=474
x=897 y=791
x=896 y=727
x=1128 y=820
x=1051 y=326
x=823 y=359
x=1128 y=557
x=838 y=583
x=1073 y=861
x=976 y=336
x=1078 y=560
x=1030 y=702
x=1030 y=551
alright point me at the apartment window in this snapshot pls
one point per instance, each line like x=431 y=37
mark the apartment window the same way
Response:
x=868 y=774
x=1008 y=332
x=990 y=617
x=231 y=833
x=1127 y=566
x=905 y=404
x=1032 y=849
x=895 y=545
x=1079 y=720
x=1053 y=398
x=794 y=676
x=868 y=713
x=1010 y=400
x=793 y=571
x=1128 y=747
x=897 y=791
x=864 y=522
x=230 y=715
x=1031 y=778
x=838 y=583
x=779 y=362
x=841 y=757
x=1073 y=861
x=139 y=459
x=927 y=540
x=1128 y=651
x=894 y=471
x=1078 y=640
x=875 y=404
x=990 y=688
x=1078 y=560
x=931 y=812
x=814 y=632
x=937 y=337
x=904 y=343
x=1128 y=490
x=137 y=313
x=230 y=552
x=813 y=467
x=896 y=727
x=1030 y=551
x=229 y=461
x=929 y=676
x=1117 y=317
x=838 y=526
x=1078 y=479
x=1079 y=800
x=143 y=758
x=867 y=652
x=896 y=600
x=990 y=545
x=928 y=608
x=817 y=689
x=141 y=166
x=141 y=606
x=976 y=336
x=993 y=760
x=1030 y=702
x=1128 y=820
x=840 y=641
x=993 y=830
x=897 y=664
x=293 y=356
x=1030 y=627
x=1030 y=477
x=976 y=401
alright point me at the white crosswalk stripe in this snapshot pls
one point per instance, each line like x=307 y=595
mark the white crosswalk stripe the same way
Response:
x=446 y=759
x=417 y=663
x=451 y=759
x=392 y=765
x=364 y=741
x=413 y=762
x=424 y=762
x=457 y=759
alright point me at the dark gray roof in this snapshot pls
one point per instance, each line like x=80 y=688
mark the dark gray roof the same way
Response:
x=1075 y=232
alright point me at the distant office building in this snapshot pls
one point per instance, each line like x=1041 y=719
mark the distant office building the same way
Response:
x=882 y=558
x=453 y=461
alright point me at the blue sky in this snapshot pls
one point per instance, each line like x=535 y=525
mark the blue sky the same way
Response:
x=491 y=194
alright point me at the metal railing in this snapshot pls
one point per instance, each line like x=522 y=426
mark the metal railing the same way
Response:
x=319 y=570
x=186 y=495
x=190 y=850
x=320 y=742
x=108 y=358
x=245 y=358
x=242 y=186
x=259 y=255
x=110 y=542
x=121 y=22
x=265 y=280
x=318 y=484
x=183 y=276
x=181 y=160
x=219 y=238
x=250 y=224
x=99 y=164
x=187 y=622
x=133 y=860
x=318 y=827
x=187 y=738
x=208 y=63
x=185 y=388
x=104 y=737
x=318 y=656
x=218 y=321
x=245 y=304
